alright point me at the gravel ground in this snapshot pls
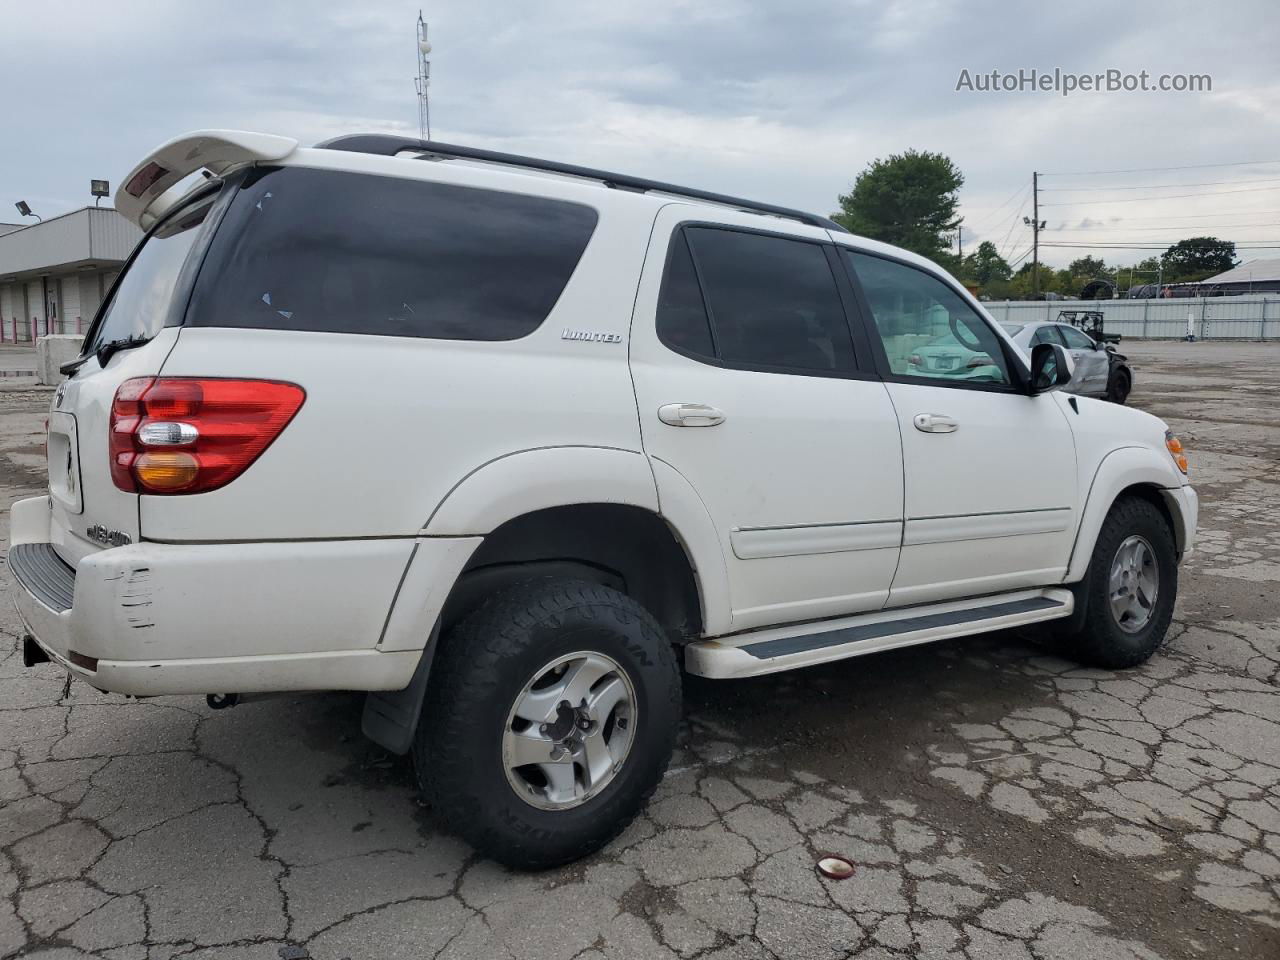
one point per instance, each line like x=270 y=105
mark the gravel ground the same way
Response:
x=999 y=802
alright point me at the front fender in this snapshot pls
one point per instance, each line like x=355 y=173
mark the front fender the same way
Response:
x=1119 y=470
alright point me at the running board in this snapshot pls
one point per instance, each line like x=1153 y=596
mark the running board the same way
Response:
x=805 y=644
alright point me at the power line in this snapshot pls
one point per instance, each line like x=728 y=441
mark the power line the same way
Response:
x=1145 y=245
x=1157 y=186
x=1017 y=193
x=1190 y=166
x=1017 y=260
x=1012 y=220
x=1193 y=216
x=1005 y=244
x=1221 y=226
x=1172 y=196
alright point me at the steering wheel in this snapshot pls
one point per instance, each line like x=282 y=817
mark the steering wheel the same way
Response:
x=969 y=343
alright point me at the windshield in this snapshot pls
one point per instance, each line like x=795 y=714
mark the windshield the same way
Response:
x=1012 y=328
x=140 y=300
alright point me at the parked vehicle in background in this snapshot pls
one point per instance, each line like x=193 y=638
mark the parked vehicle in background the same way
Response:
x=947 y=357
x=503 y=449
x=1099 y=370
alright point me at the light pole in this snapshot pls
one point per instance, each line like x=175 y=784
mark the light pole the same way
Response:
x=26 y=210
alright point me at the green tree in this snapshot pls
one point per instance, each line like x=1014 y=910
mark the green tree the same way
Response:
x=985 y=266
x=1087 y=267
x=908 y=200
x=1197 y=258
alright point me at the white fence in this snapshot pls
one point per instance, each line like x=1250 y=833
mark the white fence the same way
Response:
x=1212 y=318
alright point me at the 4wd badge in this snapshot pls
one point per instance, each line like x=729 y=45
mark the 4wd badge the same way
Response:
x=110 y=538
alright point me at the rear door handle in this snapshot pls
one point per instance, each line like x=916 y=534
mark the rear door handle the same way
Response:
x=690 y=415
x=935 y=423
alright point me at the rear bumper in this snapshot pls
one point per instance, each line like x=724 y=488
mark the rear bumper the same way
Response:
x=150 y=619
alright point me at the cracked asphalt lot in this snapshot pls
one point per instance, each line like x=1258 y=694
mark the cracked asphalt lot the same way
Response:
x=1000 y=803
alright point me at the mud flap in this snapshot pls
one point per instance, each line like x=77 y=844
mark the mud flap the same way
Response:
x=391 y=717
x=32 y=652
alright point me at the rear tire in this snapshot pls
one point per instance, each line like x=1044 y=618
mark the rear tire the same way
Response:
x=514 y=658
x=1130 y=589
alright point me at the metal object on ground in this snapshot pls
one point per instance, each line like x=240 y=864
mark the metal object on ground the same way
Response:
x=836 y=868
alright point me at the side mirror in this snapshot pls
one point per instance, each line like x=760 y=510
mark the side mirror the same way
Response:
x=1099 y=345
x=1051 y=367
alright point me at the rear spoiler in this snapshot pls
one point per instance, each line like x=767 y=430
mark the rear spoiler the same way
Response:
x=145 y=195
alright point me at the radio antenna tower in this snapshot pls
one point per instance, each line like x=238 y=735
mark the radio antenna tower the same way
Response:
x=423 y=80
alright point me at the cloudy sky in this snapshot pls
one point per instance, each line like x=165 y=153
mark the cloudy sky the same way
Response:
x=782 y=101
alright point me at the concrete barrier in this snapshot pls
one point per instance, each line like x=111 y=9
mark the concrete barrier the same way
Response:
x=52 y=352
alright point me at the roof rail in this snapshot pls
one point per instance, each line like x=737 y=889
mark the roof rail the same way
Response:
x=388 y=145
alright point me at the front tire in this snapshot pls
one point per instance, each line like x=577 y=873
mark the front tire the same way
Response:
x=1119 y=387
x=551 y=717
x=1130 y=588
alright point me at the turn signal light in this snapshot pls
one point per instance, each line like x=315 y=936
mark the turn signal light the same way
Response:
x=166 y=471
x=172 y=435
x=1175 y=450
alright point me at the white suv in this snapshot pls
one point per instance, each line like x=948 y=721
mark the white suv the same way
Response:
x=501 y=441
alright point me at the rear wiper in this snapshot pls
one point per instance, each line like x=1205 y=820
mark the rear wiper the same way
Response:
x=69 y=368
x=104 y=352
x=107 y=350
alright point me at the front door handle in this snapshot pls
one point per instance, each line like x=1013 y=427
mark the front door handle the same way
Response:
x=690 y=415
x=935 y=423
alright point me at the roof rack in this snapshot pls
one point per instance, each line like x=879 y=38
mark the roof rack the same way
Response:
x=388 y=145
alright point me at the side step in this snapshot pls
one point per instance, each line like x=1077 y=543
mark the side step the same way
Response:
x=805 y=644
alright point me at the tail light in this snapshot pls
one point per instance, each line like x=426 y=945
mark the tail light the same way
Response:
x=979 y=360
x=191 y=435
x=915 y=361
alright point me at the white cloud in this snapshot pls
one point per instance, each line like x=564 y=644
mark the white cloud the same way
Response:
x=784 y=102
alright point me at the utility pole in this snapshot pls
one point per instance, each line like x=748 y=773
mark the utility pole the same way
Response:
x=960 y=240
x=1036 y=225
x=1035 y=232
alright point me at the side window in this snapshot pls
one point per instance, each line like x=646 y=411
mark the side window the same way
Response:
x=682 y=315
x=337 y=252
x=773 y=302
x=1076 y=339
x=1047 y=334
x=927 y=330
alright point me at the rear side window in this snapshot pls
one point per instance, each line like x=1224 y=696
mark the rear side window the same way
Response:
x=682 y=314
x=1046 y=334
x=337 y=252
x=142 y=298
x=773 y=302
x=1076 y=340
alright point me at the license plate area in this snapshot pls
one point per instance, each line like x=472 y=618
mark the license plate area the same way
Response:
x=64 y=462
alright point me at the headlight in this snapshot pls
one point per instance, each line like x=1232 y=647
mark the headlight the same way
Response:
x=1175 y=450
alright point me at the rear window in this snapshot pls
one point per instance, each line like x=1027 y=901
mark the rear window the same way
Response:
x=142 y=299
x=320 y=250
